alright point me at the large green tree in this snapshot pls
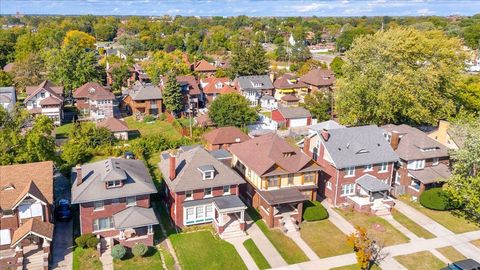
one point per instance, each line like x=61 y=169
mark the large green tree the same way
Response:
x=163 y=63
x=120 y=74
x=172 y=95
x=232 y=110
x=249 y=60
x=399 y=76
x=319 y=105
x=346 y=38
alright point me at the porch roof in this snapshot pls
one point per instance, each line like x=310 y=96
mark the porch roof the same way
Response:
x=372 y=184
x=282 y=195
x=134 y=217
x=33 y=226
x=432 y=174
x=229 y=203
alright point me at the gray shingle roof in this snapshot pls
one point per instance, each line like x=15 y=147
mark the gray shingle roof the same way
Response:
x=145 y=92
x=137 y=180
x=134 y=217
x=294 y=112
x=431 y=174
x=221 y=154
x=358 y=146
x=190 y=178
x=330 y=124
x=223 y=202
x=249 y=83
x=371 y=183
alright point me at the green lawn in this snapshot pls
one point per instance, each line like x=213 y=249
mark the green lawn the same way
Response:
x=156 y=127
x=86 y=259
x=325 y=238
x=168 y=258
x=202 y=249
x=355 y=267
x=424 y=260
x=287 y=248
x=411 y=225
x=151 y=260
x=257 y=256
x=62 y=131
x=385 y=233
x=448 y=219
x=451 y=253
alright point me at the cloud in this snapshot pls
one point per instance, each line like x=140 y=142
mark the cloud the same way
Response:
x=310 y=7
x=425 y=12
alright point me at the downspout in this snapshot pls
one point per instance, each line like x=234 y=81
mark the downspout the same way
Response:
x=336 y=190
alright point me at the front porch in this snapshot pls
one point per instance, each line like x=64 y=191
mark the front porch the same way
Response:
x=371 y=196
x=135 y=225
x=229 y=216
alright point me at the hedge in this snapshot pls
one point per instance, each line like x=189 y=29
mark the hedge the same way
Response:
x=118 y=251
x=139 y=249
x=435 y=199
x=313 y=211
x=87 y=240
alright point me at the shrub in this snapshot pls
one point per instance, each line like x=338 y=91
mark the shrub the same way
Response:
x=118 y=251
x=148 y=118
x=314 y=211
x=92 y=242
x=139 y=249
x=435 y=199
x=83 y=240
x=162 y=117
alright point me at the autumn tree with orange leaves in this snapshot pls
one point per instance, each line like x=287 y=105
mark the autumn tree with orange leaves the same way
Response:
x=367 y=250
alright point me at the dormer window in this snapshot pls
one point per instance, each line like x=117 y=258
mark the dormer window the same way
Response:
x=208 y=171
x=219 y=85
x=8 y=186
x=430 y=149
x=91 y=90
x=257 y=84
x=288 y=154
x=114 y=184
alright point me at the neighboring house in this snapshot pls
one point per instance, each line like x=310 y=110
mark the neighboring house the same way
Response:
x=328 y=125
x=319 y=79
x=46 y=99
x=113 y=196
x=288 y=117
x=289 y=101
x=26 y=214
x=358 y=165
x=193 y=98
x=144 y=99
x=268 y=102
x=140 y=73
x=205 y=68
x=94 y=101
x=254 y=87
x=223 y=138
x=424 y=162
x=290 y=85
x=8 y=98
x=119 y=52
x=213 y=87
x=445 y=136
x=201 y=189
x=279 y=178
x=118 y=127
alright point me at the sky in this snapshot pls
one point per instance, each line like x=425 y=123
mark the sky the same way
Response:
x=243 y=7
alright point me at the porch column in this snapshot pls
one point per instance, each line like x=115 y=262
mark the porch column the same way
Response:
x=19 y=254
x=122 y=234
x=150 y=229
x=271 y=220
x=300 y=212
x=242 y=220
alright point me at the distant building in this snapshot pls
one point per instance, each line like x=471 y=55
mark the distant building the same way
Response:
x=213 y=87
x=193 y=97
x=319 y=79
x=254 y=87
x=223 y=138
x=445 y=136
x=118 y=127
x=205 y=68
x=8 y=98
x=46 y=99
x=288 y=84
x=94 y=101
x=289 y=117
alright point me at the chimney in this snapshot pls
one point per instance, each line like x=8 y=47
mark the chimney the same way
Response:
x=443 y=126
x=325 y=135
x=306 y=146
x=394 y=140
x=78 y=168
x=173 y=166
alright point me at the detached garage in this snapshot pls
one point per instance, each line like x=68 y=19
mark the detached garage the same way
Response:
x=291 y=117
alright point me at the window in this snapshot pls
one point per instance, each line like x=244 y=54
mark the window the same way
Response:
x=208 y=175
x=5 y=237
x=290 y=179
x=103 y=224
x=329 y=185
x=112 y=184
x=348 y=189
x=29 y=210
x=226 y=190
x=98 y=205
x=273 y=181
x=42 y=95
x=189 y=195
x=435 y=161
x=115 y=201
x=209 y=212
x=415 y=184
x=190 y=217
x=309 y=178
x=131 y=201
x=383 y=167
x=350 y=171
x=199 y=214
x=207 y=192
x=398 y=177
x=368 y=168
x=416 y=164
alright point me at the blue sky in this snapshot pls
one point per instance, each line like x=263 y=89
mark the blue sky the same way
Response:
x=242 y=7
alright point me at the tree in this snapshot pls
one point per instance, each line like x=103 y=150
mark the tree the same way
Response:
x=345 y=40
x=163 y=63
x=468 y=93
x=6 y=79
x=231 y=110
x=471 y=35
x=249 y=60
x=367 y=251
x=319 y=105
x=28 y=71
x=399 y=76
x=172 y=95
x=80 y=39
x=336 y=66
x=105 y=29
x=309 y=65
x=300 y=52
x=120 y=74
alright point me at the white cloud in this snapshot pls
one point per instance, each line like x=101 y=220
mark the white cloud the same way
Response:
x=425 y=11
x=311 y=7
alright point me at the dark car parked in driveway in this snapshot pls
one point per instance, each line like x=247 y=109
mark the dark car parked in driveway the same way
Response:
x=63 y=211
x=467 y=264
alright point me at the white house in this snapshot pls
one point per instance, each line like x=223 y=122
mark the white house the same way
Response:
x=45 y=99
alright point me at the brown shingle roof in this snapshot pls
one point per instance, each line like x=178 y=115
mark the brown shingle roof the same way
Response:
x=290 y=98
x=225 y=135
x=193 y=88
x=217 y=86
x=47 y=85
x=33 y=225
x=21 y=177
x=319 y=77
x=51 y=100
x=113 y=124
x=288 y=81
x=204 y=66
x=93 y=90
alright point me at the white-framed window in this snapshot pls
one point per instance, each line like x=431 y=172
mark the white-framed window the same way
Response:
x=415 y=184
x=29 y=209
x=383 y=167
x=368 y=168
x=101 y=224
x=199 y=212
x=348 y=189
x=226 y=190
x=350 y=171
x=112 y=184
x=42 y=95
x=209 y=211
x=398 y=177
x=416 y=164
x=5 y=237
x=189 y=195
x=207 y=192
x=190 y=216
x=435 y=161
x=329 y=185
x=208 y=175
x=98 y=205
x=273 y=181
x=131 y=201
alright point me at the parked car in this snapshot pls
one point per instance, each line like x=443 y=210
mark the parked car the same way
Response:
x=129 y=155
x=467 y=264
x=63 y=211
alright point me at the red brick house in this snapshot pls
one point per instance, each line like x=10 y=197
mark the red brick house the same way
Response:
x=26 y=214
x=291 y=116
x=143 y=98
x=223 y=138
x=114 y=200
x=319 y=79
x=94 y=101
x=201 y=189
x=193 y=97
x=358 y=165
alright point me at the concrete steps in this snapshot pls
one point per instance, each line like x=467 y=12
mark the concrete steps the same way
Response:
x=33 y=262
x=289 y=225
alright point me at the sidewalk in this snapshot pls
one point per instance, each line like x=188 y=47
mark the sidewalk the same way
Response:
x=338 y=220
x=400 y=227
x=243 y=252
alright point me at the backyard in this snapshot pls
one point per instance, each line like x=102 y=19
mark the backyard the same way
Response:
x=155 y=127
x=316 y=235
x=424 y=260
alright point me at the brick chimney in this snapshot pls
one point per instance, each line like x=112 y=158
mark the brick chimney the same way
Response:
x=172 y=173
x=443 y=126
x=325 y=135
x=395 y=140
x=78 y=168
x=306 y=146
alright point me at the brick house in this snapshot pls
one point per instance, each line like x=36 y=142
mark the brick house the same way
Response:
x=279 y=178
x=288 y=117
x=193 y=97
x=46 y=99
x=358 y=165
x=145 y=99
x=288 y=84
x=204 y=68
x=94 y=102
x=201 y=189
x=254 y=87
x=213 y=87
x=223 y=138
x=319 y=79
x=424 y=162
x=26 y=214
x=113 y=196
x=118 y=127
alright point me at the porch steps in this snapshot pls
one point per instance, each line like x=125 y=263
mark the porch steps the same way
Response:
x=288 y=224
x=232 y=231
x=382 y=211
x=33 y=262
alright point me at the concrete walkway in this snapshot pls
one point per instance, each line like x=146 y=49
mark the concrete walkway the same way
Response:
x=62 y=246
x=237 y=242
x=268 y=250
x=339 y=221
x=297 y=238
x=106 y=257
x=400 y=227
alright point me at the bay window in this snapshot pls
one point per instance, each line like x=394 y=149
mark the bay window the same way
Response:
x=101 y=224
